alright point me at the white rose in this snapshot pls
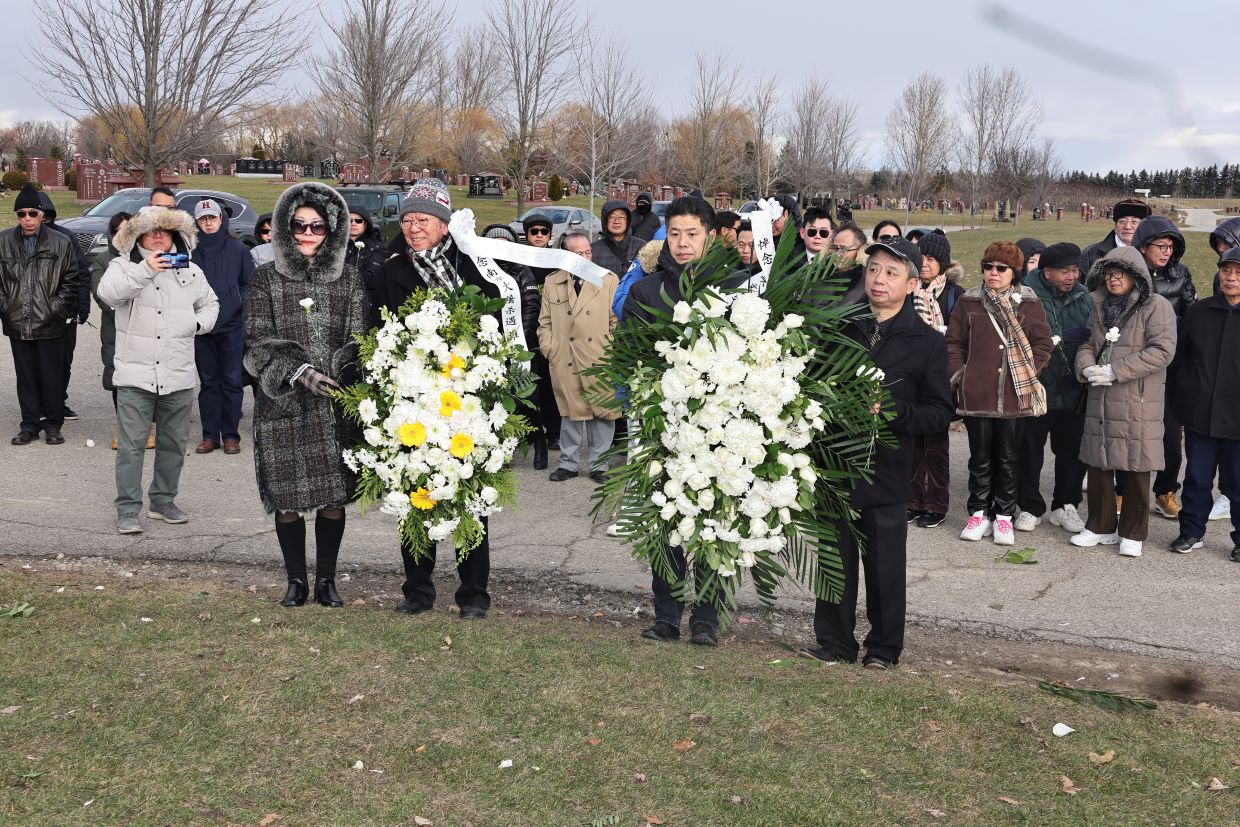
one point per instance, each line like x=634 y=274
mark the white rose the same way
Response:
x=373 y=436
x=489 y=495
x=681 y=312
x=792 y=321
x=307 y=302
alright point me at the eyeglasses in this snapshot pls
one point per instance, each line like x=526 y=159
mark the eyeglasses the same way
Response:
x=420 y=223
x=837 y=248
x=886 y=237
x=1114 y=276
x=29 y=213
x=538 y=231
x=814 y=232
x=317 y=227
x=1165 y=247
x=357 y=220
x=996 y=266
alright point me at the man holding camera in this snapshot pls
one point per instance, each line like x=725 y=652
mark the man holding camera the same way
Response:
x=162 y=301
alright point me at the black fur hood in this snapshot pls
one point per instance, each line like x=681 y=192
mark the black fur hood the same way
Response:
x=329 y=261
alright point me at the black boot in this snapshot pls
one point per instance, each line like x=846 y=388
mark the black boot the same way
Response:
x=540 y=453
x=325 y=592
x=296 y=594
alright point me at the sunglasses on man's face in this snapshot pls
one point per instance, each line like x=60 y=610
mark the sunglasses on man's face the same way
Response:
x=814 y=232
x=886 y=237
x=998 y=268
x=538 y=231
x=318 y=228
x=28 y=213
x=358 y=220
x=265 y=231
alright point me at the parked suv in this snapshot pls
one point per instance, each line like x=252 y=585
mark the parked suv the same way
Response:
x=563 y=219
x=91 y=228
x=382 y=201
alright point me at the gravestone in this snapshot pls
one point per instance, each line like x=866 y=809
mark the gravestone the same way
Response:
x=50 y=172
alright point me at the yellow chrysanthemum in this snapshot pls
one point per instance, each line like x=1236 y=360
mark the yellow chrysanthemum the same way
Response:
x=462 y=444
x=421 y=499
x=454 y=362
x=449 y=403
x=412 y=434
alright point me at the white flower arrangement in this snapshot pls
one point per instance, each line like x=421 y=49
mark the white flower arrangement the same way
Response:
x=440 y=388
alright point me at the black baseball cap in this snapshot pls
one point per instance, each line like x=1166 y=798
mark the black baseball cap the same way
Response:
x=901 y=248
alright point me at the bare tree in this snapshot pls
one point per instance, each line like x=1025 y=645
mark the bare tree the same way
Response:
x=1017 y=170
x=841 y=144
x=161 y=75
x=805 y=153
x=764 y=113
x=372 y=76
x=1048 y=171
x=1000 y=116
x=604 y=133
x=535 y=39
x=918 y=134
x=704 y=136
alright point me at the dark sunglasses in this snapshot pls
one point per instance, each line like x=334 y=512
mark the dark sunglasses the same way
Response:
x=29 y=213
x=265 y=231
x=358 y=220
x=886 y=237
x=318 y=227
x=814 y=232
x=538 y=231
x=993 y=265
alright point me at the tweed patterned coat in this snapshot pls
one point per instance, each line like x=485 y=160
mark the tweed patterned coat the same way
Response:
x=299 y=437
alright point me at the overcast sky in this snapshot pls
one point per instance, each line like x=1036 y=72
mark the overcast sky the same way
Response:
x=1124 y=85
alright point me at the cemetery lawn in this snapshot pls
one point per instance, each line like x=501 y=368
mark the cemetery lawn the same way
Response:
x=199 y=703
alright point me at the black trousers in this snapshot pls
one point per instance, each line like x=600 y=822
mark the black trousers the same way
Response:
x=548 y=419
x=474 y=571
x=1205 y=456
x=994 y=448
x=218 y=358
x=884 y=529
x=1168 y=479
x=39 y=366
x=1065 y=429
x=667 y=609
x=70 y=346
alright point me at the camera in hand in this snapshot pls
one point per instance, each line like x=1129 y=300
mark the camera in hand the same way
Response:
x=177 y=261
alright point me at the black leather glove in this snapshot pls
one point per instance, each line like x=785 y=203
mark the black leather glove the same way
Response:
x=1075 y=336
x=319 y=384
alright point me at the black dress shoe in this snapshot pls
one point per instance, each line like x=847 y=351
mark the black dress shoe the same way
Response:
x=554 y=444
x=24 y=438
x=408 y=607
x=598 y=476
x=818 y=653
x=540 y=454
x=54 y=437
x=296 y=594
x=473 y=613
x=325 y=592
x=665 y=632
x=1235 y=554
x=70 y=415
x=561 y=474
x=913 y=514
x=930 y=519
x=703 y=635
x=875 y=662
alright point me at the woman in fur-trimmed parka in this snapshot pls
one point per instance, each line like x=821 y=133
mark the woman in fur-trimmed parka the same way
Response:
x=298 y=354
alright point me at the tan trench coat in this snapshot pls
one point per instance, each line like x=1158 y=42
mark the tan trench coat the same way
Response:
x=573 y=331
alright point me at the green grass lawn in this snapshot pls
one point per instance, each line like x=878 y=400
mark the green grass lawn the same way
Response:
x=224 y=708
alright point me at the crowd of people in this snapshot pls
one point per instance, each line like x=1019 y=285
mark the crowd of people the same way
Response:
x=1106 y=352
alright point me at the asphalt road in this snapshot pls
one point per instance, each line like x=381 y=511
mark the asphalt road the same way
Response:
x=58 y=499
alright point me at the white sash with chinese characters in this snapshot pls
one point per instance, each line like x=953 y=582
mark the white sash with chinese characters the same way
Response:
x=482 y=250
x=763 y=246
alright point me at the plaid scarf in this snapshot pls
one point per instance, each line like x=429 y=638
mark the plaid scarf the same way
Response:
x=433 y=266
x=926 y=300
x=1019 y=354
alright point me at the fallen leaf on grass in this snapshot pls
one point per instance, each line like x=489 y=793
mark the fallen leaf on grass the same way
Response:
x=447 y=643
x=1060 y=730
x=422 y=822
x=357 y=601
x=252 y=589
x=1215 y=784
x=1067 y=786
x=1105 y=758
x=9 y=710
x=934 y=726
x=594 y=742
x=269 y=819
x=1007 y=800
x=684 y=745
x=736 y=799
x=421 y=748
x=639 y=777
x=745 y=621
x=358 y=765
x=204 y=616
x=936 y=813
x=699 y=718
x=356 y=698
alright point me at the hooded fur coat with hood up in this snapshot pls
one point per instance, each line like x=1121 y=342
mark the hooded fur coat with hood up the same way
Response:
x=1124 y=422
x=158 y=312
x=299 y=437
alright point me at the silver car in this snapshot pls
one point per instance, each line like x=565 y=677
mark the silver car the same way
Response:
x=563 y=219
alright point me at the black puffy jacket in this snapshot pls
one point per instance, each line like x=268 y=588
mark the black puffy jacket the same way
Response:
x=1174 y=282
x=38 y=293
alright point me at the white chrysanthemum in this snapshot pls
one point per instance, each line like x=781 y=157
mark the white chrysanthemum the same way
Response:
x=681 y=313
x=750 y=313
x=368 y=410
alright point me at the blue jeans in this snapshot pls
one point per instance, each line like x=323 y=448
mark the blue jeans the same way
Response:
x=1203 y=456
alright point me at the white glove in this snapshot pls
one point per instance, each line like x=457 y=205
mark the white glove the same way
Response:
x=771 y=206
x=1100 y=376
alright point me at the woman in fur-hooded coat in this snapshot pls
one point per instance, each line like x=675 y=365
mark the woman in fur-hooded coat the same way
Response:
x=296 y=354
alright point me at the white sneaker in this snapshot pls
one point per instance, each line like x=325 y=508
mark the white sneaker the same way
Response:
x=1221 y=509
x=1068 y=519
x=1026 y=522
x=1088 y=539
x=1129 y=548
x=1004 y=535
x=977 y=527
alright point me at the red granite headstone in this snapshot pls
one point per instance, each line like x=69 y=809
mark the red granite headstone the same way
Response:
x=290 y=173
x=49 y=172
x=539 y=191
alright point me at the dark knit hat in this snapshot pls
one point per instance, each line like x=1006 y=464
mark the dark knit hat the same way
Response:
x=937 y=247
x=1058 y=256
x=428 y=197
x=901 y=248
x=1004 y=252
x=27 y=199
x=1130 y=208
x=535 y=220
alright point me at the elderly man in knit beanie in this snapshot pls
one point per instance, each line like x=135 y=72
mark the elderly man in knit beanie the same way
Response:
x=1127 y=215
x=39 y=283
x=425 y=257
